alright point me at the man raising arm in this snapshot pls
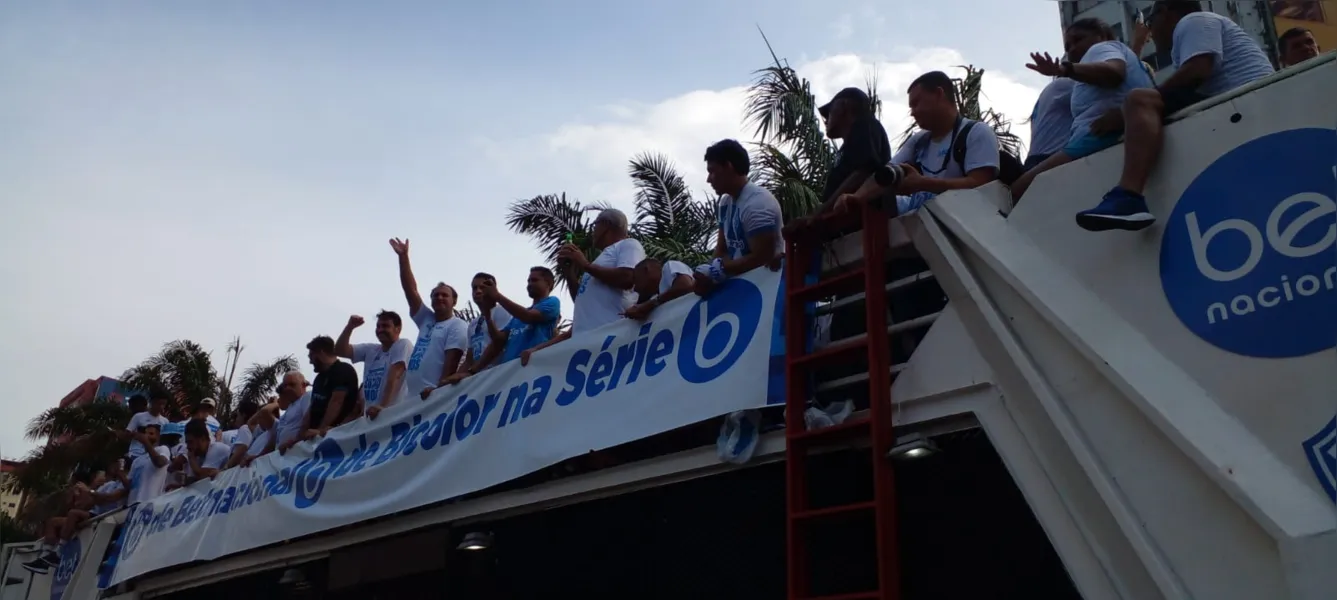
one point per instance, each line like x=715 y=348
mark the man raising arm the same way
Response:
x=529 y=326
x=384 y=363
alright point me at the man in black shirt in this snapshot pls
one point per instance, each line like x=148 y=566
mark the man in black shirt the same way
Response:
x=334 y=393
x=864 y=148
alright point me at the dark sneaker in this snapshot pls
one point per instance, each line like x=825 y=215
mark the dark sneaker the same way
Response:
x=42 y=564
x=1119 y=209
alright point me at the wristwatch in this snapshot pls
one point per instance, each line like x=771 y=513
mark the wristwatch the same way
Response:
x=1067 y=68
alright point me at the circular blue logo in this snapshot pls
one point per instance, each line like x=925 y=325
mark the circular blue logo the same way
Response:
x=311 y=475
x=69 y=561
x=136 y=525
x=718 y=330
x=1249 y=257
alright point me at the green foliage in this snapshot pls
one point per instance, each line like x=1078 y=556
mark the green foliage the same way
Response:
x=13 y=531
x=82 y=435
x=184 y=371
x=667 y=220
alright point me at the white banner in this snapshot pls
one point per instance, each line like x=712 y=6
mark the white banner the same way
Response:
x=696 y=359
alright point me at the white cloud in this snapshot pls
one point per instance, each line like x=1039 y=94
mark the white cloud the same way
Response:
x=589 y=158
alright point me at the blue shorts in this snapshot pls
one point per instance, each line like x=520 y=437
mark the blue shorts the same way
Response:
x=1089 y=144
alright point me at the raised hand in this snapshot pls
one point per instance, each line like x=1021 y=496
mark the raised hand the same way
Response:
x=1045 y=64
x=401 y=247
x=355 y=321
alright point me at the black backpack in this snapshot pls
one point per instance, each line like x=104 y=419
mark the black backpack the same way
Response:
x=1009 y=166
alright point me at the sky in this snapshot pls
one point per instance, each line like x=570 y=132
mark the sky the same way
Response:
x=209 y=170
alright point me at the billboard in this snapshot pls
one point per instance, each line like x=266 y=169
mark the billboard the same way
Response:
x=1318 y=16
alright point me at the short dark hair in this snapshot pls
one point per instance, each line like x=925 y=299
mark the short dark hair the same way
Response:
x=248 y=409
x=392 y=316
x=321 y=343
x=648 y=262
x=935 y=80
x=1094 y=25
x=485 y=277
x=442 y=284
x=1291 y=34
x=545 y=273
x=732 y=153
x=1178 y=7
x=197 y=428
x=137 y=399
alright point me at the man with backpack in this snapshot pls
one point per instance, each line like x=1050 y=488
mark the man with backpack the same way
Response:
x=950 y=153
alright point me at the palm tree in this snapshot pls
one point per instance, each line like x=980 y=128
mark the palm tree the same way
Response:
x=792 y=155
x=184 y=372
x=969 y=89
x=75 y=435
x=668 y=221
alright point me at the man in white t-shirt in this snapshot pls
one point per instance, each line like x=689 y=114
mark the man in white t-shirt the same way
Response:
x=442 y=336
x=1212 y=55
x=488 y=327
x=154 y=415
x=1051 y=121
x=240 y=438
x=148 y=471
x=286 y=417
x=383 y=364
x=749 y=218
x=205 y=455
x=950 y=153
x=606 y=282
x=659 y=282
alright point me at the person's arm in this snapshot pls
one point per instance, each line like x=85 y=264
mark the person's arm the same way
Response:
x=1100 y=71
x=394 y=378
x=457 y=339
x=561 y=337
x=525 y=314
x=867 y=148
x=121 y=492
x=490 y=353
x=406 y=279
x=681 y=286
x=494 y=328
x=159 y=461
x=721 y=246
x=342 y=347
x=621 y=275
x=981 y=165
x=761 y=224
x=1196 y=50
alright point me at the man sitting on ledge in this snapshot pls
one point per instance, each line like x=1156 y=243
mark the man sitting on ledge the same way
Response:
x=749 y=218
x=1212 y=55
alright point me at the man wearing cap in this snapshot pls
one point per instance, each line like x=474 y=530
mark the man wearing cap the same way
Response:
x=864 y=146
x=206 y=410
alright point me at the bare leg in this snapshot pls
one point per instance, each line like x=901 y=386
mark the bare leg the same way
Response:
x=51 y=533
x=72 y=521
x=1143 y=112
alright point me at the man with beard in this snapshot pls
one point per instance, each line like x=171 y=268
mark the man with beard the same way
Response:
x=334 y=393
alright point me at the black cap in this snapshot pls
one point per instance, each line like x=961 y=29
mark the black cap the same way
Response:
x=849 y=93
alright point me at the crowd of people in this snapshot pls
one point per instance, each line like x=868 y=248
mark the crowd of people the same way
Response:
x=1101 y=92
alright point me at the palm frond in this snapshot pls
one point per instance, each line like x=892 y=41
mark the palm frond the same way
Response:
x=547 y=220
x=259 y=379
x=969 y=90
x=661 y=195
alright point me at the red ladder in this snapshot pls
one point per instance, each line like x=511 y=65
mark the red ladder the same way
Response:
x=870 y=276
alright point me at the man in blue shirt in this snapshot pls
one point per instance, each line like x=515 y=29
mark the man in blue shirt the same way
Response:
x=530 y=327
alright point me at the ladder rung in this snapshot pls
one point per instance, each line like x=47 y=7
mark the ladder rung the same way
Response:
x=834 y=351
x=849 y=428
x=901 y=327
x=831 y=286
x=859 y=297
x=873 y=595
x=834 y=511
x=836 y=384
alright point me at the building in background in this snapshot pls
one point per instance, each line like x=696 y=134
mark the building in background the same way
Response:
x=9 y=503
x=1254 y=16
x=102 y=387
x=1318 y=16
